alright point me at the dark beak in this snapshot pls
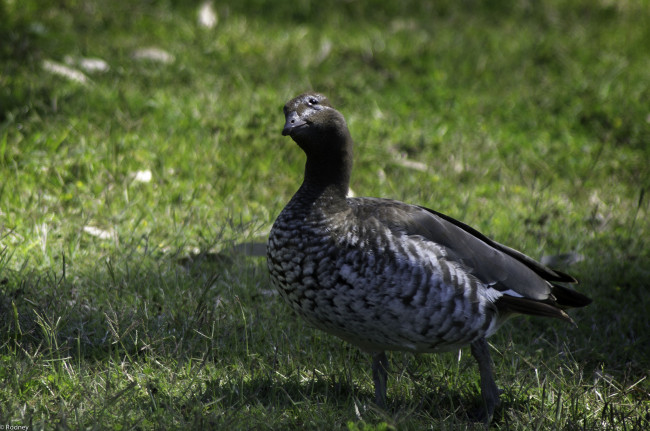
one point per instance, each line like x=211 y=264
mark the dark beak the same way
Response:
x=293 y=121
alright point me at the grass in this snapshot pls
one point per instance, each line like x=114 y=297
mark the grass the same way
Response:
x=124 y=302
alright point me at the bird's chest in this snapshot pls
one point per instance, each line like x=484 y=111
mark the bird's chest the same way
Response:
x=300 y=254
x=310 y=268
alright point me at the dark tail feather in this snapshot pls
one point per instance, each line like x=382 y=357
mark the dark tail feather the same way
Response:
x=510 y=304
x=569 y=298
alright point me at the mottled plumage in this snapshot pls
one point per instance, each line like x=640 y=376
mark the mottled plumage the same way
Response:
x=385 y=275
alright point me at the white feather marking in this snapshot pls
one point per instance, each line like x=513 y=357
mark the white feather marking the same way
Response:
x=491 y=294
x=511 y=292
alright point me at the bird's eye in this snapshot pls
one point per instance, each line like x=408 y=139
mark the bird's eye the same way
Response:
x=313 y=101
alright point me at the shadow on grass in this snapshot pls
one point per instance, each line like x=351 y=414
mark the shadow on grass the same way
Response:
x=326 y=396
x=219 y=308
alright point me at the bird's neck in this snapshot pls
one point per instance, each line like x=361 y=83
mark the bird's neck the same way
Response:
x=329 y=163
x=328 y=173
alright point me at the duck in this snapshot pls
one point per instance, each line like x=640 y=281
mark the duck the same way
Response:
x=385 y=275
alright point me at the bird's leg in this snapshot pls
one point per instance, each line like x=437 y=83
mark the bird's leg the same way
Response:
x=380 y=377
x=489 y=390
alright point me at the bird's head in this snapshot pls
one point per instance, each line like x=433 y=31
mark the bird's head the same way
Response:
x=313 y=123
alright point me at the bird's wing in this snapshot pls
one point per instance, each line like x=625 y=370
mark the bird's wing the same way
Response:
x=501 y=267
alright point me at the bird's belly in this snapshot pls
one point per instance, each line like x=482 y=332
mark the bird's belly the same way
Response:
x=376 y=305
